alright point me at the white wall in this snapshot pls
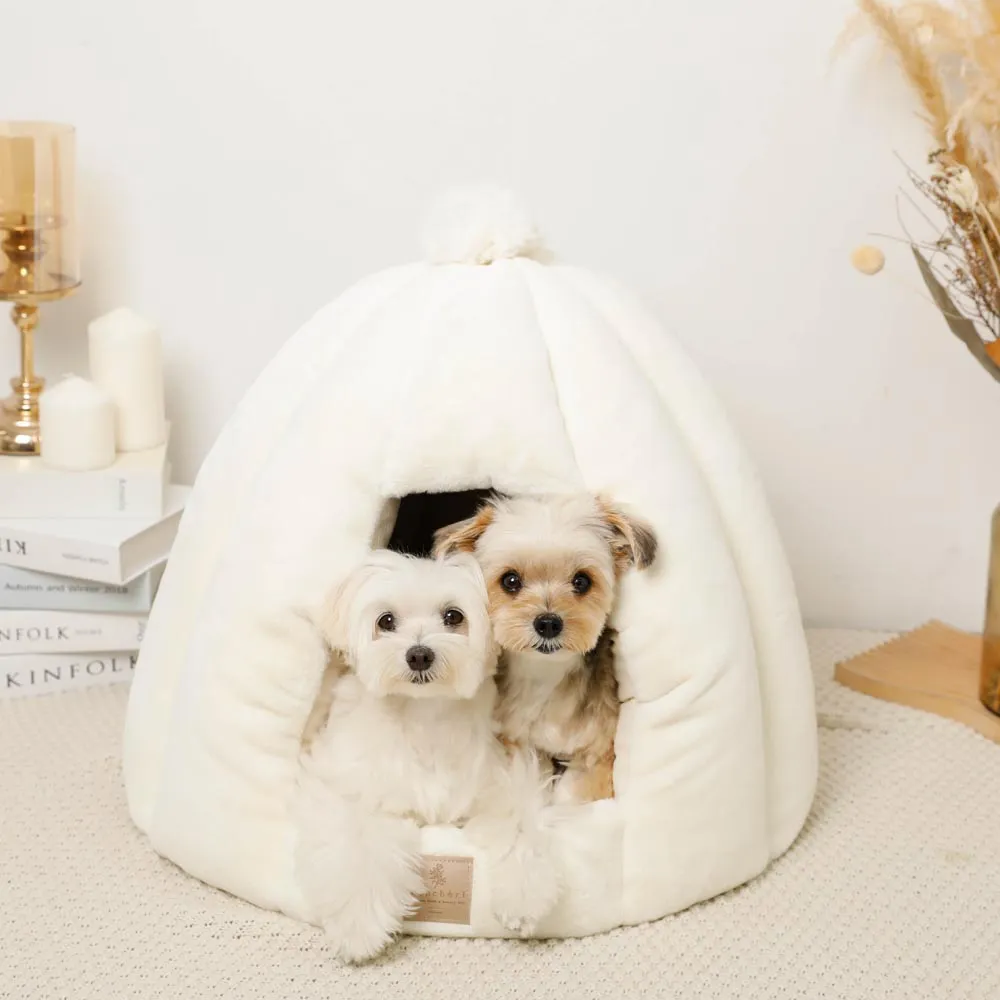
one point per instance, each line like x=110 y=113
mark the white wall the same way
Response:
x=239 y=168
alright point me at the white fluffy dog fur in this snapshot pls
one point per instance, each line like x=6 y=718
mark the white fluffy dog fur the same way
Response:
x=409 y=740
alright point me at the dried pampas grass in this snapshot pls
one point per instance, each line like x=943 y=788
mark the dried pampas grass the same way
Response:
x=902 y=39
x=950 y=56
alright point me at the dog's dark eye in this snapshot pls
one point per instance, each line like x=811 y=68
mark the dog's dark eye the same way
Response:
x=386 y=622
x=453 y=618
x=582 y=583
x=511 y=582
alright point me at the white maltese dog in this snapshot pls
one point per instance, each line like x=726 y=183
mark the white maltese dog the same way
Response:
x=408 y=740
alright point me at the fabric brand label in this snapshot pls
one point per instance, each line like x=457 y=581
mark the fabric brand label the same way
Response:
x=447 y=895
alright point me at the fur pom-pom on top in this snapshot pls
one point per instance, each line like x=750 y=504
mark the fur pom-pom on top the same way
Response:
x=478 y=225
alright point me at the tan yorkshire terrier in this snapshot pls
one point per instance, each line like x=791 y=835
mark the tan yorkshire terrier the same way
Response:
x=551 y=565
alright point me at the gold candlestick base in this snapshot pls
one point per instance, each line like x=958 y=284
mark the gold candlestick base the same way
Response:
x=19 y=433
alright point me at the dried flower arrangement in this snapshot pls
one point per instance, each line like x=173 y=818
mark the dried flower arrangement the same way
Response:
x=950 y=55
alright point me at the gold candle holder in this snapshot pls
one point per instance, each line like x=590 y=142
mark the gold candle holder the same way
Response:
x=40 y=257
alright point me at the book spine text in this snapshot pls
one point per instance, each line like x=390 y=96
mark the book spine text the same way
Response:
x=24 y=676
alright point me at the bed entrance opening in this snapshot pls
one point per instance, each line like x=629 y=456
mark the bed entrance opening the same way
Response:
x=421 y=514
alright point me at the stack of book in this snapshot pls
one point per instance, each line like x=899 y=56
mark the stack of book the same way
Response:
x=81 y=556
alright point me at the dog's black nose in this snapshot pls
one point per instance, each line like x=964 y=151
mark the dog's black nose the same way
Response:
x=419 y=658
x=548 y=626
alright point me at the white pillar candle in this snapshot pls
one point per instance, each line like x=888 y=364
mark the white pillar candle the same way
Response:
x=77 y=425
x=126 y=361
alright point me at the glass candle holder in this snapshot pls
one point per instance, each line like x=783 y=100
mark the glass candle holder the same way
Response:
x=39 y=253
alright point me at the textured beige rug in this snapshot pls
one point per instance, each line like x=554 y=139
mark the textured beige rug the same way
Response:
x=893 y=889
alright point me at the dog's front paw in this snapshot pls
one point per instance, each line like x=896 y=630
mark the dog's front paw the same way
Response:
x=373 y=915
x=525 y=889
x=356 y=941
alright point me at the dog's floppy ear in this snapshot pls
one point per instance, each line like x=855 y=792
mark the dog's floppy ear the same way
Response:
x=334 y=616
x=633 y=541
x=462 y=536
x=477 y=613
x=466 y=562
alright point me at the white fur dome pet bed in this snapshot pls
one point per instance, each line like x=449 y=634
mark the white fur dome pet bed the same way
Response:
x=484 y=367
